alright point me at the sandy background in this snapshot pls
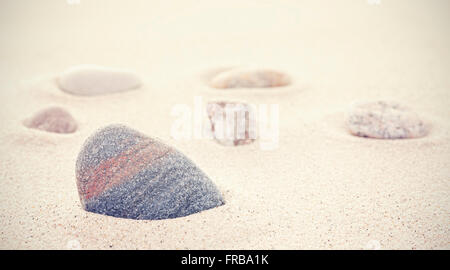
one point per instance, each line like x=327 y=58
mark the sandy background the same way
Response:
x=321 y=189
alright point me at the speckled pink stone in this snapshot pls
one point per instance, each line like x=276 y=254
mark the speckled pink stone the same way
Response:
x=53 y=119
x=385 y=120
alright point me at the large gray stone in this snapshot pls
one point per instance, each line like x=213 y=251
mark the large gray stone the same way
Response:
x=123 y=173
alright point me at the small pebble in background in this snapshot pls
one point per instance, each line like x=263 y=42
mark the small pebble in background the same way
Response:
x=53 y=119
x=250 y=78
x=385 y=120
x=91 y=80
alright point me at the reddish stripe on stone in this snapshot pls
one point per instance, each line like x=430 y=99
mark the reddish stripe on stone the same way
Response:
x=116 y=170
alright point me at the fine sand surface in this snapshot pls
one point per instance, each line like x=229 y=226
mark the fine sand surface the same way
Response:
x=322 y=188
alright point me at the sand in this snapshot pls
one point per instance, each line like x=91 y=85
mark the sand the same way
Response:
x=321 y=188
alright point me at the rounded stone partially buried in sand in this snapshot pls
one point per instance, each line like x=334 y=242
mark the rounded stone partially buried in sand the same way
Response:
x=123 y=173
x=90 y=80
x=249 y=78
x=385 y=120
x=53 y=119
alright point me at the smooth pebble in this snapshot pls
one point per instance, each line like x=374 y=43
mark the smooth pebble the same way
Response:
x=249 y=78
x=91 y=80
x=53 y=119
